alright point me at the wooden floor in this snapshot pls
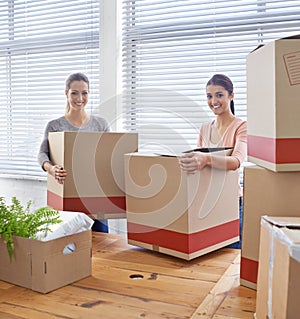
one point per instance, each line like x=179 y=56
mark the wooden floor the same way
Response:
x=131 y=282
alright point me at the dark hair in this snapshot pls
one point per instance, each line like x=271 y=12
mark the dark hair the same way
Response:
x=226 y=83
x=76 y=77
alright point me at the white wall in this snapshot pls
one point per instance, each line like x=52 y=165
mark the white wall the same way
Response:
x=24 y=190
x=110 y=75
x=111 y=62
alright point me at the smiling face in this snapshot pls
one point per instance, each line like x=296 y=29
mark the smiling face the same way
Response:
x=218 y=99
x=77 y=95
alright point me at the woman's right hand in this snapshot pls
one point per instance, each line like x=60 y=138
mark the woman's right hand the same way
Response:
x=58 y=173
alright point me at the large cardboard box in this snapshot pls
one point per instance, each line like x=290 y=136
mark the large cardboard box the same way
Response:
x=265 y=193
x=273 y=85
x=44 y=266
x=178 y=214
x=95 y=165
x=278 y=286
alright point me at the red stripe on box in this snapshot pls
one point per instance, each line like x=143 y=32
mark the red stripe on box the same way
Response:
x=182 y=242
x=274 y=150
x=249 y=270
x=88 y=205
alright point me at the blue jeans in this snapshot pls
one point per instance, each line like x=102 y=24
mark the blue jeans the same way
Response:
x=100 y=226
x=238 y=244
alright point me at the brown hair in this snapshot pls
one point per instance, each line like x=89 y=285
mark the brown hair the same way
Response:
x=75 y=77
x=226 y=83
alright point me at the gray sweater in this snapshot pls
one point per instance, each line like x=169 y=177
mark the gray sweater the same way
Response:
x=95 y=124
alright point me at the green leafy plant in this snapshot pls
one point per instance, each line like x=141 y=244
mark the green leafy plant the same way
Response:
x=17 y=220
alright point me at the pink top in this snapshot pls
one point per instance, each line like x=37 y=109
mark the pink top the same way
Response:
x=235 y=136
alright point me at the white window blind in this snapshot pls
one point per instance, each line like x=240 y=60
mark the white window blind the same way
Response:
x=172 y=47
x=41 y=43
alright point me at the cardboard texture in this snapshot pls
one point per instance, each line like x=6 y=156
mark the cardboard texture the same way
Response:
x=265 y=193
x=95 y=167
x=43 y=266
x=178 y=214
x=273 y=85
x=278 y=285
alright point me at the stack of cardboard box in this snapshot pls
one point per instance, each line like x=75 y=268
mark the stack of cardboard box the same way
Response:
x=272 y=183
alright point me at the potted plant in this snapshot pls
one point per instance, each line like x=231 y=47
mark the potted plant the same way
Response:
x=17 y=220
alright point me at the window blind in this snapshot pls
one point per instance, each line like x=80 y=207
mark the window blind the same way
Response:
x=41 y=43
x=172 y=47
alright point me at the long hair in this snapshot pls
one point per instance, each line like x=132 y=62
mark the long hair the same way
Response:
x=226 y=83
x=75 y=77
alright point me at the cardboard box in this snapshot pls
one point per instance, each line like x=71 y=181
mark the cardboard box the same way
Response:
x=278 y=286
x=95 y=165
x=43 y=266
x=265 y=193
x=178 y=214
x=273 y=85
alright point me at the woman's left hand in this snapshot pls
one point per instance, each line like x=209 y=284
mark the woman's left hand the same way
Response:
x=193 y=162
x=58 y=173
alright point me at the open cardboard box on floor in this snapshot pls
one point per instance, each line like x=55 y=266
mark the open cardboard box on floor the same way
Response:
x=94 y=162
x=278 y=286
x=265 y=192
x=44 y=266
x=178 y=214
x=273 y=85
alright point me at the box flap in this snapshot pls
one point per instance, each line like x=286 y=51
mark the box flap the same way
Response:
x=258 y=47
x=287 y=230
x=225 y=151
x=293 y=222
x=296 y=36
x=291 y=238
